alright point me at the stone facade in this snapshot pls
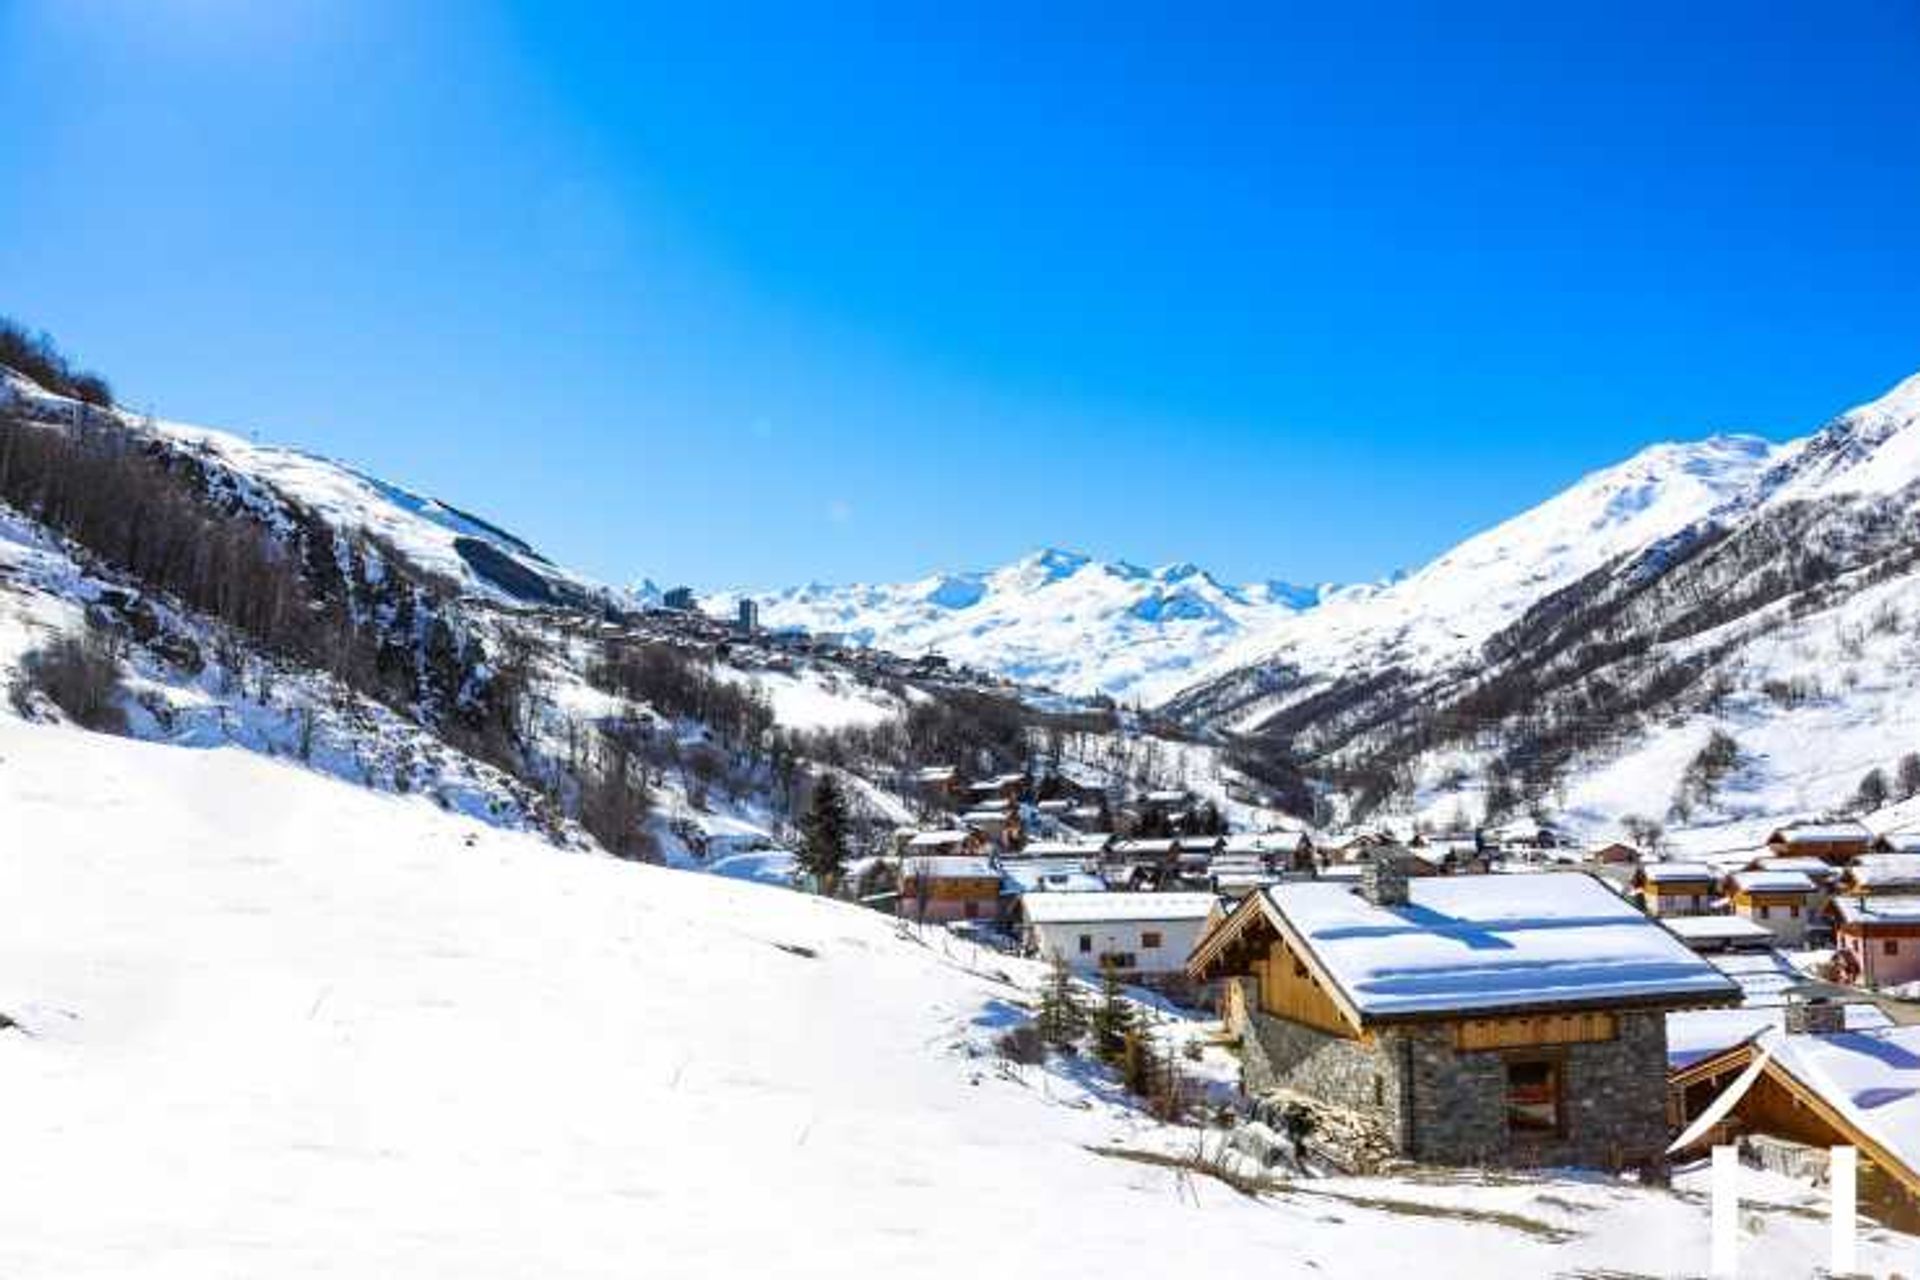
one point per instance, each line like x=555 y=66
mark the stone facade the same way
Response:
x=1407 y=1089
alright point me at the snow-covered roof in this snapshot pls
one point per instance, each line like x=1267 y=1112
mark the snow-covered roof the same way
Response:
x=1887 y=908
x=1468 y=943
x=1772 y=882
x=1059 y=849
x=1722 y=929
x=1133 y=847
x=938 y=839
x=1264 y=841
x=1165 y=797
x=1899 y=841
x=1872 y=1078
x=1094 y=908
x=1821 y=833
x=1694 y=1034
x=1050 y=876
x=1811 y=867
x=950 y=866
x=1885 y=870
x=1677 y=873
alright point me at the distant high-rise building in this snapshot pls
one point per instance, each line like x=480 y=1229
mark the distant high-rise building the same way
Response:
x=680 y=598
x=749 y=618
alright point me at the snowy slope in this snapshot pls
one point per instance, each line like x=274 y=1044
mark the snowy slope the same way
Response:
x=271 y=1025
x=1442 y=614
x=1056 y=618
x=282 y=483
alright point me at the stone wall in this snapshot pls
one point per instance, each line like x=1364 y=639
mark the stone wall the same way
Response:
x=1614 y=1091
x=1353 y=1087
x=1428 y=1101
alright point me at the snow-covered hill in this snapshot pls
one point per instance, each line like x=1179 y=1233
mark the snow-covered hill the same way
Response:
x=267 y=1024
x=285 y=485
x=1588 y=648
x=1055 y=618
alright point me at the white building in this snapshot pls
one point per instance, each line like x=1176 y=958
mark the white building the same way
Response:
x=1142 y=935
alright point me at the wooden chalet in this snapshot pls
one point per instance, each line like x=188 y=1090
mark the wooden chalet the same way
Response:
x=1880 y=873
x=1480 y=1020
x=1834 y=843
x=947 y=887
x=1676 y=888
x=1813 y=1086
x=1781 y=902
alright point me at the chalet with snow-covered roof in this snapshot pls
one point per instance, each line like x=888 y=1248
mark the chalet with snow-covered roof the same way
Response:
x=1084 y=849
x=940 y=782
x=1235 y=875
x=1482 y=1020
x=1143 y=937
x=1877 y=939
x=1880 y=873
x=943 y=888
x=1676 y=888
x=954 y=840
x=1781 y=902
x=1614 y=853
x=1000 y=824
x=1834 y=843
x=1897 y=842
x=1720 y=933
x=1048 y=875
x=1006 y=787
x=1811 y=1085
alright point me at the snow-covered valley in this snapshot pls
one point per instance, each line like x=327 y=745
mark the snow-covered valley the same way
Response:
x=269 y=1023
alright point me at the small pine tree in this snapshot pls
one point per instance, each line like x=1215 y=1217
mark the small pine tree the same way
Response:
x=1873 y=789
x=823 y=849
x=1062 y=1020
x=1113 y=1019
x=1908 y=775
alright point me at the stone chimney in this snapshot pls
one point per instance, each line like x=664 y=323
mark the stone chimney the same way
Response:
x=1383 y=880
x=1815 y=1015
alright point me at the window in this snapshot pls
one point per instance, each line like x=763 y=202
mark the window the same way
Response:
x=1149 y=940
x=972 y=909
x=1086 y=943
x=1766 y=913
x=1533 y=1095
x=1890 y=947
x=1793 y=910
x=1119 y=960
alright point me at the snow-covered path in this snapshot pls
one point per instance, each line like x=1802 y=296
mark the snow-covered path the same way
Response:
x=272 y=1025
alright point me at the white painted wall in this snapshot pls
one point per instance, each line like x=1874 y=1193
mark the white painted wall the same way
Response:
x=1177 y=939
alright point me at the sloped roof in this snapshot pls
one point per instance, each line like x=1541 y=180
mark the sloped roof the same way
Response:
x=1773 y=882
x=1879 y=870
x=1095 y=908
x=1467 y=944
x=938 y=839
x=1866 y=1084
x=1677 y=873
x=1717 y=929
x=1889 y=908
x=952 y=866
x=1820 y=833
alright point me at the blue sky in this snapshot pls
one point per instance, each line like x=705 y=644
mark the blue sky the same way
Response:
x=788 y=295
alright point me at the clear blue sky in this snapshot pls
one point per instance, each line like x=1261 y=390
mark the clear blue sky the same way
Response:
x=818 y=294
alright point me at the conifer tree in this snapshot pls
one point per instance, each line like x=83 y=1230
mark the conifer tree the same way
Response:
x=1113 y=1019
x=823 y=850
x=1061 y=1020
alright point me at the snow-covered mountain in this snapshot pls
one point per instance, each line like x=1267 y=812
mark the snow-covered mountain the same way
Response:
x=1589 y=647
x=288 y=486
x=1056 y=618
